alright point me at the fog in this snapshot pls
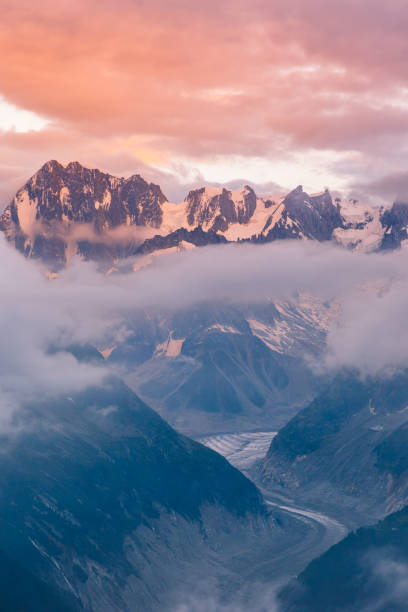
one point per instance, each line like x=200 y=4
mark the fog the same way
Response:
x=372 y=332
x=83 y=305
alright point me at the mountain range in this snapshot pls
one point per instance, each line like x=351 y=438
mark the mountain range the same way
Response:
x=104 y=506
x=66 y=210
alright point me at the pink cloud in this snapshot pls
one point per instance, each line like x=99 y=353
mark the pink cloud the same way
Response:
x=249 y=78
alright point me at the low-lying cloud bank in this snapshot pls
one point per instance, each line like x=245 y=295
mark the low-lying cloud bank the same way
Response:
x=235 y=273
x=83 y=305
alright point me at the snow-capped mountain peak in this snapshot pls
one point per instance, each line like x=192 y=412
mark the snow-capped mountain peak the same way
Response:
x=64 y=210
x=60 y=199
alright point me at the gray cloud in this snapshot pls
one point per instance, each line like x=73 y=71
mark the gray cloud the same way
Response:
x=387 y=189
x=372 y=332
x=30 y=325
x=395 y=576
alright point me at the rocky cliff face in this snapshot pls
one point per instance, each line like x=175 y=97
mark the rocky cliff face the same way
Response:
x=58 y=200
x=316 y=216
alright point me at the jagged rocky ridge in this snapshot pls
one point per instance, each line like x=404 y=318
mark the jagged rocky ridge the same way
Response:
x=112 y=509
x=58 y=199
x=67 y=210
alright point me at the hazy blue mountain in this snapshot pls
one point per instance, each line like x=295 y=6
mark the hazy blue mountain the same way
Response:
x=107 y=504
x=348 y=446
x=218 y=367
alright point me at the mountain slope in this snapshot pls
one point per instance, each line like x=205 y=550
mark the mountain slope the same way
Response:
x=104 y=501
x=364 y=572
x=348 y=445
x=395 y=222
x=22 y=591
x=219 y=367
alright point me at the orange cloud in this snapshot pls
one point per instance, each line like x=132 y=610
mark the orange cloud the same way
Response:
x=182 y=78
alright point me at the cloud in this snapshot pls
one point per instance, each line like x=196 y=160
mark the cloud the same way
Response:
x=243 y=273
x=30 y=327
x=371 y=334
x=167 y=82
x=389 y=188
x=85 y=306
x=395 y=576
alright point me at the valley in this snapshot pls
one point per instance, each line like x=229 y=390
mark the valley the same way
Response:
x=314 y=532
x=203 y=306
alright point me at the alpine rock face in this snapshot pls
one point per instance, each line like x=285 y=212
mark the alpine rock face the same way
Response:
x=66 y=210
x=43 y=216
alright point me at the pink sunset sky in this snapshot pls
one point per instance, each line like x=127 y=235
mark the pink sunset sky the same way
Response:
x=183 y=92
